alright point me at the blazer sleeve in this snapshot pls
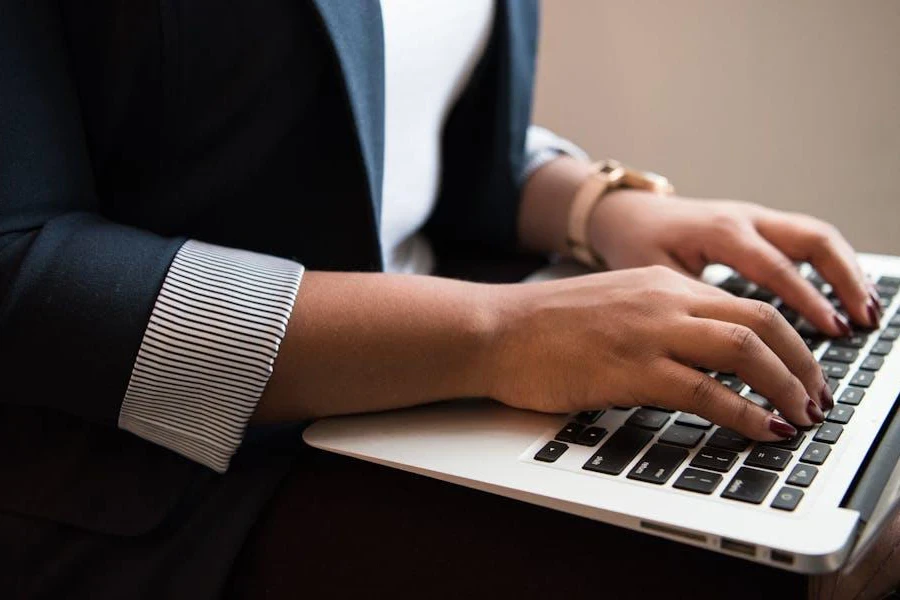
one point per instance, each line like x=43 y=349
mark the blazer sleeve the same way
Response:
x=84 y=327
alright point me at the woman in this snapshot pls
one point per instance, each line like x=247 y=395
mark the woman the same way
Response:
x=220 y=216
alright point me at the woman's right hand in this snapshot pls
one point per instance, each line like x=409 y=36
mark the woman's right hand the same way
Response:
x=634 y=337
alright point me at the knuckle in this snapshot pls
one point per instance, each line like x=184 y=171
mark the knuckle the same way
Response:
x=727 y=224
x=703 y=394
x=765 y=315
x=742 y=339
x=660 y=273
x=823 y=236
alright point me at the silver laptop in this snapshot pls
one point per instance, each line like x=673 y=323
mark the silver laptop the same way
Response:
x=810 y=504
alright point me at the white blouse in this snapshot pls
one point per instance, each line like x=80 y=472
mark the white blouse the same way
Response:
x=430 y=52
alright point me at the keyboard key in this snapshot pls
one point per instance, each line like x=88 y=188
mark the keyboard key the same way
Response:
x=802 y=475
x=857 y=340
x=714 y=459
x=760 y=400
x=726 y=439
x=589 y=417
x=622 y=407
x=550 y=452
x=679 y=435
x=813 y=342
x=806 y=329
x=658 y=464
x=828 y=433
x=872 y=363
x=895 y=321
x=732 y=382
x=885 y=280
x=763 y=295
x=833 y=384
x=886 y=291
x=619 y=450
x=792 y=443
x=840 y=354
x=788 y=313
x=693 y=421
x=736 y=285
x=863 y=378
x=787 y=498
x=695 y=480
x=890 y=334
x=768 y=457
x=885 y=302
x=882 y=347
x=852 y=395
x=817 y=280
x=840 y=414
x=815 y=454
x=648 y=419
x=569 y=433
x=833 y=369
x=590 y=436
x=750 y=485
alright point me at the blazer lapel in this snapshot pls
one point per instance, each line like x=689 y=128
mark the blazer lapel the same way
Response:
x=357 y=35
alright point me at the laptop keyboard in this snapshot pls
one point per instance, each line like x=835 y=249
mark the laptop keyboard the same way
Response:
x=714 y=455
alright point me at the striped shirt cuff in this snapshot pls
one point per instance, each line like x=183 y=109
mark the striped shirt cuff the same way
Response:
x=209 y=350
x=542 y=146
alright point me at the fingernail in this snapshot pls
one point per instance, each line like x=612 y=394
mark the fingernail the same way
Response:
x=873 y=314
x=826 y=400
x=815 y=413
x=780 y=427
x=842 y=324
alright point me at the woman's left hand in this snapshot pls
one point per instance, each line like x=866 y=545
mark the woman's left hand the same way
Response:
x=631 y=228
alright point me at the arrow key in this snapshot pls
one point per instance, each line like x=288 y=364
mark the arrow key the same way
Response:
x=802 y=475
x=787 y=498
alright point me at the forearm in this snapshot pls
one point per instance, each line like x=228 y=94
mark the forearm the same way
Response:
x=360 y=342
x=546 y=199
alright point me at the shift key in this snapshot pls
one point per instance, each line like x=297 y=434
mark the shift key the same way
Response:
x=619 y=450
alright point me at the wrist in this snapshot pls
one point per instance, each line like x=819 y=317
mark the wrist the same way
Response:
x=608 y=215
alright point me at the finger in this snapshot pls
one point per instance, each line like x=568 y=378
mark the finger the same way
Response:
x=733 y=348
x=774 y=330
x=758 y=260
x=683 y=388
x=805 y=238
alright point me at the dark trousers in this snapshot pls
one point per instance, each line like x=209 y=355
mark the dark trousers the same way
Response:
x=342 y=528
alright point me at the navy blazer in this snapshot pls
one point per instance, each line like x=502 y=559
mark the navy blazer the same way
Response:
x=128 y=127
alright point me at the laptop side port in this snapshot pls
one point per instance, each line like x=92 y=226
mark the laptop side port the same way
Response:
x=674 y=531
x=738 y=547
x=782 y=557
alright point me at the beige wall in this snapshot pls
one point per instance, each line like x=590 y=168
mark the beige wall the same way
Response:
x=791 y=103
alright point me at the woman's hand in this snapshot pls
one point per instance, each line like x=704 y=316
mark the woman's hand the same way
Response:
x=632 y=229
x=632 y=337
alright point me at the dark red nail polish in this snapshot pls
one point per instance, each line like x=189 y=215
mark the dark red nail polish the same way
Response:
x=826 y=400
x=815 y=413
x=873 y=314
x=876 y=300
x=780 y=427
x=842 y=324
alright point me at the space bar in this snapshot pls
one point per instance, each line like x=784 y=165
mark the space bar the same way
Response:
x=618 y=451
